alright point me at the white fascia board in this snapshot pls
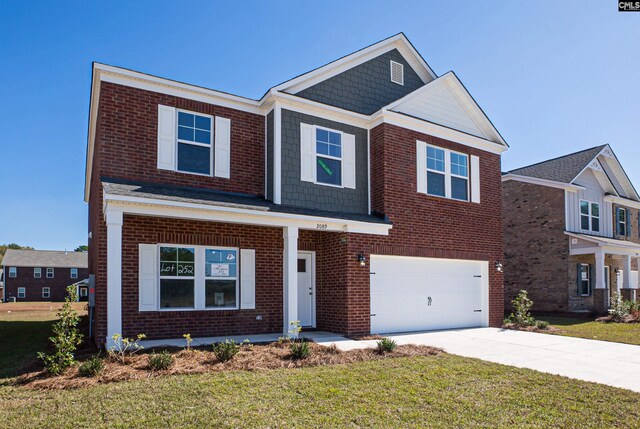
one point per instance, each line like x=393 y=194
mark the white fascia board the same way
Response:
x=231 y=214
x=334 y=68
x=178 y=89
x=543 y=182
x=430 y=128
x=302 y=105
x=91 y=132
x=602 y=245
x=622 y=201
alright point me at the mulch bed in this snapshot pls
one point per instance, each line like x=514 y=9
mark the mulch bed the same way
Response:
x=630 y=318
x=195 y=361
x=530 y=328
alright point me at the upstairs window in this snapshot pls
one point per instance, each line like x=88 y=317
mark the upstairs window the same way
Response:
x=13 y=272
x=621 y=221
x=447 y=174
x=589 y=216
x=37 y=273
x=328 y=157
x=74 y=273
x=194 y=143
x=50 y=272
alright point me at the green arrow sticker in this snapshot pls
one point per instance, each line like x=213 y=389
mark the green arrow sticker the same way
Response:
x=325 y=167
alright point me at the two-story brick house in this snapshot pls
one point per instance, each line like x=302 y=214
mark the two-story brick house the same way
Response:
x=43 y=275
x=571 y=232
x=363 y=196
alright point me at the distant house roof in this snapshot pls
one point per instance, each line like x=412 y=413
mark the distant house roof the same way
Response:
x=563 y=169
x=45 y=258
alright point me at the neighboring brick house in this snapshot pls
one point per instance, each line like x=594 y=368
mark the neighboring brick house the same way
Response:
x=43 y=275
x=361 y=197
x=571 y=232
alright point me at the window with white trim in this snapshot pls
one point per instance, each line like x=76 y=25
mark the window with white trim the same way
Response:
x=74 y=273
x=328 y=157
x=177 y=277
x=50 y=273
x=221 y=278
x=447 y=173
x=46 y=292
x=589 y=216
x=22 y=292
x=584 y=279
x=189 y=274
x=621 y=221
x=13 y=272
x=37 y=272
x=194 y=154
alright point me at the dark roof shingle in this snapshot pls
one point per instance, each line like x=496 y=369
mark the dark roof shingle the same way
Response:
x=563 y=169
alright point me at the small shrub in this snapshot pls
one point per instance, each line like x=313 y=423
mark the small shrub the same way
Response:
x=300 y=350
x=542 y=324
x=189 y=340
x=66 y=337
x=620 y=309
x=91 y=368
x=521 y=315
x=226 y=350
x=160 y=361
x=124 y=347
x=386 y=345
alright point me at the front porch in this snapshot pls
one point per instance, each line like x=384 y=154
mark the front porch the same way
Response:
x=599 y=269
x=286 y=267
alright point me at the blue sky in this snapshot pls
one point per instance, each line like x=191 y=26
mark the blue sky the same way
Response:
x=554 y=77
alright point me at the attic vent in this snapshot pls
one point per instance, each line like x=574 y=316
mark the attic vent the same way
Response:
x=397 y=73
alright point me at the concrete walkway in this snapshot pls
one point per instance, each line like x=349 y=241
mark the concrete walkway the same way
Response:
x=602 y=362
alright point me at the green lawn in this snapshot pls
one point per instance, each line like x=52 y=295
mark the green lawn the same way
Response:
x=24 y=329
x=433 y=391
x=628 y=333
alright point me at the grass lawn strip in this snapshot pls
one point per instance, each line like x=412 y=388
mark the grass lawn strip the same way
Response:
x=628 y=333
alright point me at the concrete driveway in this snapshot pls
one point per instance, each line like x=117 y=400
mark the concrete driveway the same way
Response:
x=602 y=362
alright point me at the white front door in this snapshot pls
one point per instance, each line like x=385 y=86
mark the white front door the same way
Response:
x=306 y=289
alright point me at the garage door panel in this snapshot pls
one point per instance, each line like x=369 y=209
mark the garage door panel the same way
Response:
x=401 y=288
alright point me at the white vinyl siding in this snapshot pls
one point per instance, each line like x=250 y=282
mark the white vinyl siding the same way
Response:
x=593 y=193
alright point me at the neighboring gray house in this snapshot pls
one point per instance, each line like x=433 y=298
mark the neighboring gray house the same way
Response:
x=571 y=232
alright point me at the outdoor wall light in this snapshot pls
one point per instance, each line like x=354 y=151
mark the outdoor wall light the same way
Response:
x=617 y=271
x=362 y=259
x=499 y=267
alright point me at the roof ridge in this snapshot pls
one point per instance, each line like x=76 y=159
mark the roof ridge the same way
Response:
x=557 y=158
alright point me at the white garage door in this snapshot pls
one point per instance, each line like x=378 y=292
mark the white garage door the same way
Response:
x=414 y=294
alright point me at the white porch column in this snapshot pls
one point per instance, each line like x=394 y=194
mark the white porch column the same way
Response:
x=114 y=274
x=290 y=271
x=600 y=274
x=626 y=266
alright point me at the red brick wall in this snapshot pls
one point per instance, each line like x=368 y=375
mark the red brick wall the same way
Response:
x=430 y=226
x=33 y=287
x=536 y=248
x=127 y=140
x=268 y=243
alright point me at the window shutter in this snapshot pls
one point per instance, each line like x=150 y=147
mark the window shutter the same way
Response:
x=475 y=179
x=307 y=153
x=627 y=218
x=147 y=277
x=222 y=166
x=421 y=166
x=247 y=279
x=591 y=278
x=166 y=137
x=578 y=286
x=349 y=161
x=617 y=221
